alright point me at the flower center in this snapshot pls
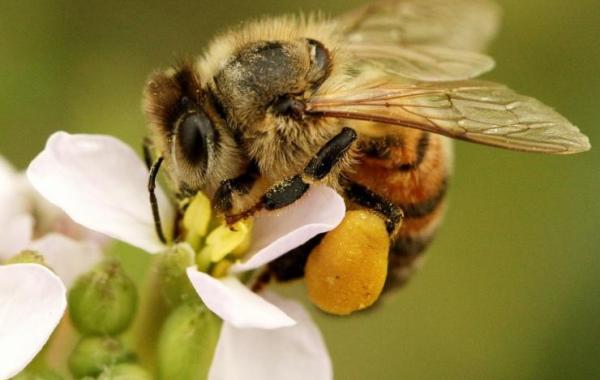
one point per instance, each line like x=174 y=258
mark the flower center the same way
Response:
x=216 y=245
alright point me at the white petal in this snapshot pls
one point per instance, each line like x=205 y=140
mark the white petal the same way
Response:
x=32 y=302
x=100 y=183
x=277 y=232
x=16 y=235
x=14 y=199
x=68 y=258
x=7 y=175
x=291 y=353
x=234 y=303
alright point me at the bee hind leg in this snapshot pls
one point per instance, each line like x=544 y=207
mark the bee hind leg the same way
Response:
x=362 y=196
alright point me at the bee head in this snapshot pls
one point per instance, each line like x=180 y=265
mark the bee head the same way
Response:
x=189 y=130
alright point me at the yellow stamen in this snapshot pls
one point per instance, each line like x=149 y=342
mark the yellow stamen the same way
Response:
x=221 y=268
x=211 y=238
x=241 y=249
x=224 y=239
x=197 y=219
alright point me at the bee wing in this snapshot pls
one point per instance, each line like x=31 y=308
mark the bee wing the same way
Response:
x=423 y=63
x=458 y=24
x=425 y=40
x=476 y=111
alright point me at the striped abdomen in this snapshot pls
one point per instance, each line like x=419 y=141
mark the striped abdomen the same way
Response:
x=411 y=169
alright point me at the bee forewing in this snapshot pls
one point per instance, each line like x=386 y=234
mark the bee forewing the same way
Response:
x=460 y=24
x=476 y=111
x=423 y=63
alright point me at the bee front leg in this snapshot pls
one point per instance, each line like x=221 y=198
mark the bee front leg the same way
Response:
x=284 y=193
x=223 y=198
x=292 y=188
x=330 y=154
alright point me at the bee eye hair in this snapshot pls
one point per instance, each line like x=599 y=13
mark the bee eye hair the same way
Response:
x=196 y=135
x=287 y=105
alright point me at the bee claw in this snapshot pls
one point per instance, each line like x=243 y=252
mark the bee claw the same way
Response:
x=234 y=218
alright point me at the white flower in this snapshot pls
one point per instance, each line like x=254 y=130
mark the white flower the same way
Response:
x=291 y=353
x=32 y=297
x=26 y=216
x=101 y=183
x=32 y=302
x=16 y=221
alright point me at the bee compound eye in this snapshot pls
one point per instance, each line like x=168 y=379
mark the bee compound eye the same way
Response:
x=320 y=61
x=196 y=136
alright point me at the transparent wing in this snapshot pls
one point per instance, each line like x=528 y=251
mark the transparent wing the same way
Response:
x=476 y=111
x=458 y=24
x=424 y=40
x=423 y=63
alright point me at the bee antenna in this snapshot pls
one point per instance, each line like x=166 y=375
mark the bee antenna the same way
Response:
x=153 y=201
x=146 y=149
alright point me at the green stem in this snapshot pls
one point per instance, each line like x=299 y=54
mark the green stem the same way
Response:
x=56 y=353
x=151 y=315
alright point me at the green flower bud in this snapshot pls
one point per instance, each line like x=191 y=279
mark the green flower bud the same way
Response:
x=174 y=283
x=93 y=354
x=124 y=371
x=103 y=301
x=37 y=374
x=27 y=257
x=187 y=342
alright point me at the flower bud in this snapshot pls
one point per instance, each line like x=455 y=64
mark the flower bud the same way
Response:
x=27 y=257
x=124 y=371
x=174 y=283
x=93 y=354
x=187 y=343
x=103 y=301
x=347 y=270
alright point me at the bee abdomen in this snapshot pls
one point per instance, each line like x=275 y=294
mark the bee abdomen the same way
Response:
x=410 y=169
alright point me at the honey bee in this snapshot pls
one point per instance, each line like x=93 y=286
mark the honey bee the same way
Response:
x=365 y=103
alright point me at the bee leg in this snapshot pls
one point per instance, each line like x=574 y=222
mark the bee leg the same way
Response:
x=284 y=193
x=291 y=189
x=291 y=265
x=364 y=197
x=318 y=168
x=223 y=198
x=261 y=281
x=330 y=154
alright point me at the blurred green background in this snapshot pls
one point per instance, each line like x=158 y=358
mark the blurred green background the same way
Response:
x=511 y=288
